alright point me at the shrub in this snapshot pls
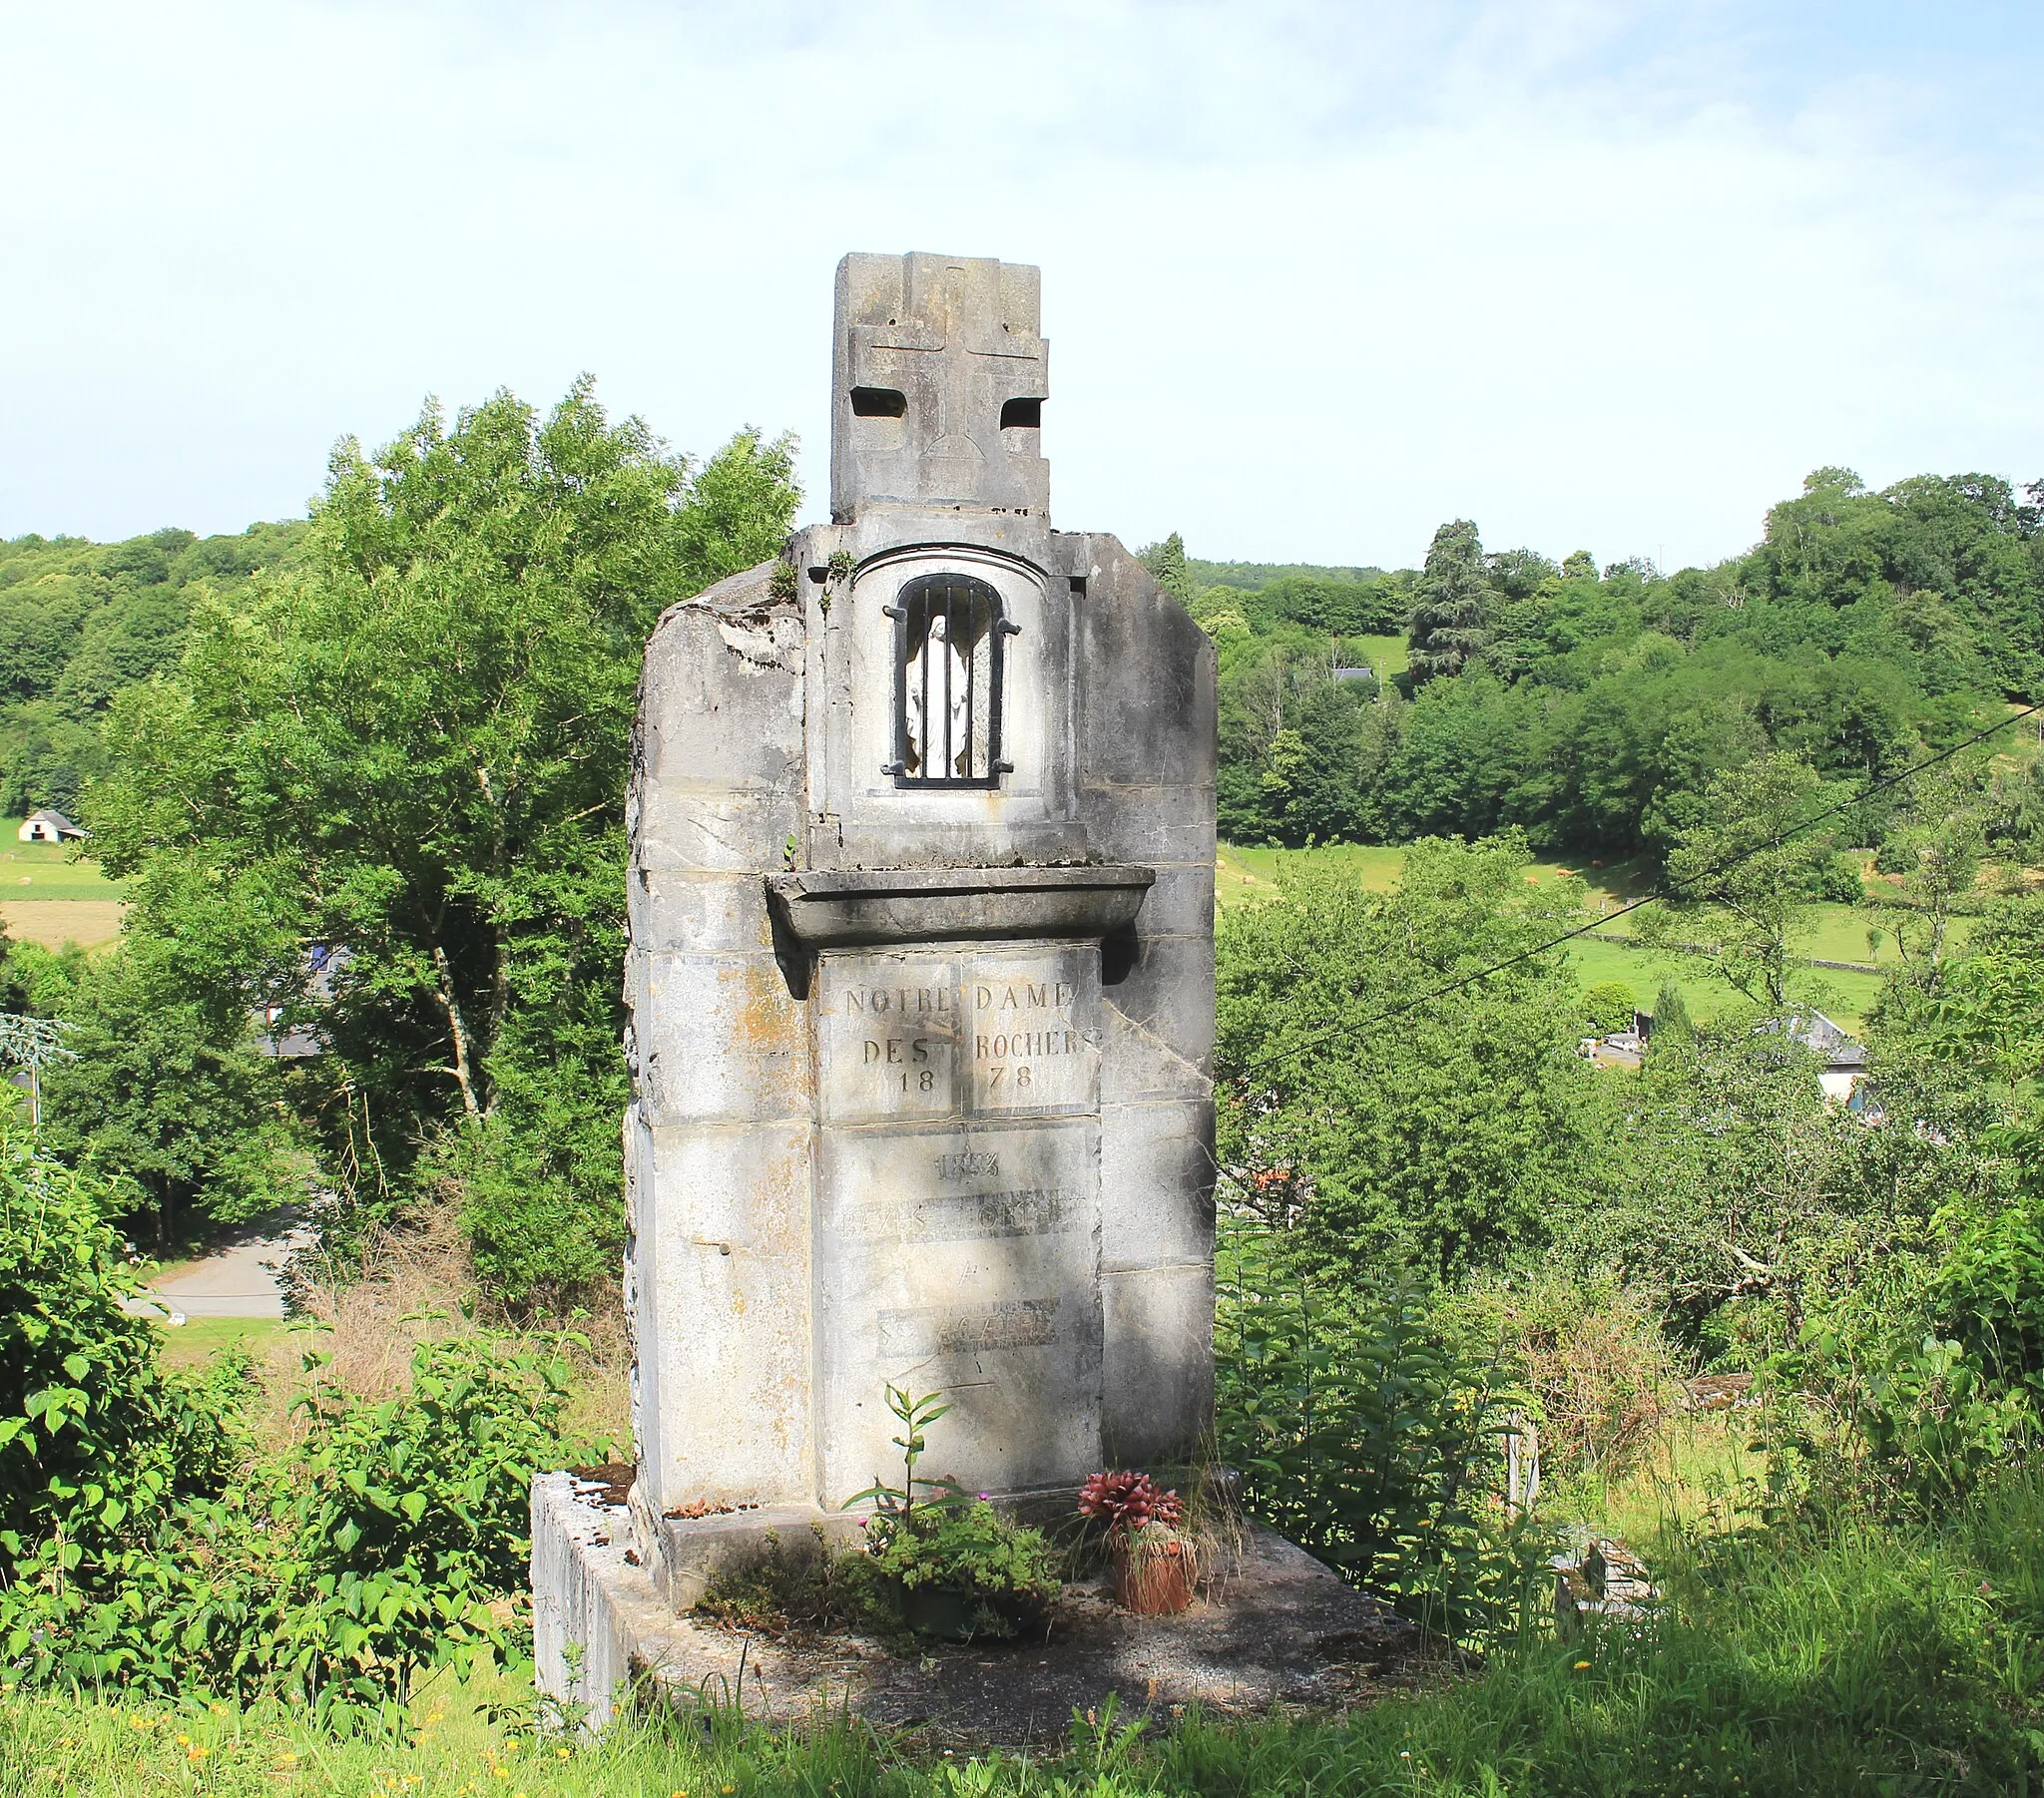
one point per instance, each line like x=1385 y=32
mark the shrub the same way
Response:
x=95 y=1439
x=1838 y=879
x=332 y=1579
x=1608 y=1006
x=1368 y=1437
x=1002 y=1573
x=1590 y=1351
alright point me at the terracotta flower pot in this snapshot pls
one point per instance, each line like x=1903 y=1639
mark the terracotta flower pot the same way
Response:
x=1153 y=1577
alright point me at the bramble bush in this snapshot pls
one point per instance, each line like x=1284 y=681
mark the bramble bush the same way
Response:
x=95 y=1437
x=1933 y=1378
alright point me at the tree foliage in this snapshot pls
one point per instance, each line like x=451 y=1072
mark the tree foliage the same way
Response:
x=80 y=621
x=1383 y=1127
x=1592 y=711
x=410 y=748
x=1451 y=604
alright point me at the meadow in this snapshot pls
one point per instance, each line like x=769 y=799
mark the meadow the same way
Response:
x=50 y=896
x=1839 y=932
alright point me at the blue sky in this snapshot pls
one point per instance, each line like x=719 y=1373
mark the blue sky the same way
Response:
x=1318 y=275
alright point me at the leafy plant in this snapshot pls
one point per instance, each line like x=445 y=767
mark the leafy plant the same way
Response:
x=335 y=1580
x=95 y=1439
x=916 y=1415
x=1368 y=1440
x=1004 y=1573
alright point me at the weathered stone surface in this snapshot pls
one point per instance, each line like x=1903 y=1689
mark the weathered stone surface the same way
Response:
x=722 y=1254
x=941 y=371
x=910 y=905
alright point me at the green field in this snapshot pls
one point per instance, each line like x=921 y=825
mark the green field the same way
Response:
x=1247 y=875
x=48 y=870
x=1388 y=654
x=196 y=1341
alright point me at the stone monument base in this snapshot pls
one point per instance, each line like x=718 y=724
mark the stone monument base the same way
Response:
x=1276 y=1628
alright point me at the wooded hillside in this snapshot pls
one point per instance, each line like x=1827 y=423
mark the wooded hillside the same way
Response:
x=1592 y=708
x=80 y=621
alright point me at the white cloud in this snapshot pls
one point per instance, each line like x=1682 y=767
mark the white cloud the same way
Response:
x=1318 y=275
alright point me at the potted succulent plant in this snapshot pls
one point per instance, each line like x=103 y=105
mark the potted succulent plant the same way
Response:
x=1156 y=1566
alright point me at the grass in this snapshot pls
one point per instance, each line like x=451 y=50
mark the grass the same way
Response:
x=1844 y=997
x=50 y=897
x=196 y=1340
x=1868 y=1658
x=1245 y=875
x=1388 y=654
x=1700 y=1468
x=48 y=870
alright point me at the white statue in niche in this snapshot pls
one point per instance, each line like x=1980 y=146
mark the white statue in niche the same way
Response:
x=947 y=694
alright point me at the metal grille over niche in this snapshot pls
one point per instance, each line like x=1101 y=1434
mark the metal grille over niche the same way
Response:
x=949 y=635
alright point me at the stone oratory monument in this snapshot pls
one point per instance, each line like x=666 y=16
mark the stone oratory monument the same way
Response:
x=921 y=990
x=921 y=975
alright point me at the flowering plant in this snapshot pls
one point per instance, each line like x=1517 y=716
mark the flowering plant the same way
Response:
x=1128 y=1503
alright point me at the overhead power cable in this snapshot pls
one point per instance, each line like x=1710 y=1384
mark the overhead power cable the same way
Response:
x=1667 y=890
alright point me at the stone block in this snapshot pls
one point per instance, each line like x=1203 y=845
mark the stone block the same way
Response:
x=725 y=1219
x=1157 y=1186
x=694 y=911
x=1180 y=902
x=686 y=824
x=722 y=701
x=960 y=1257
x=693 y=1553
x=1159 y=1364
x=1169 y=992
x=720 y=1039
x=1149 y=697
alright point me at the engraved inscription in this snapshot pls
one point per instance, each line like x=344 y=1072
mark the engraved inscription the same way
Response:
x=976 y=1216
x=954 y=1169
x=1027 y=1043
x=889 y=1036
x=970 y=1329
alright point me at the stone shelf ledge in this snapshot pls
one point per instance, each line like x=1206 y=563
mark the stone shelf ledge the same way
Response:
x=862 y=907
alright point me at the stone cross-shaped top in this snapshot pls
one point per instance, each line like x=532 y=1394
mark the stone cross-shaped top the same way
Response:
x=940 y=377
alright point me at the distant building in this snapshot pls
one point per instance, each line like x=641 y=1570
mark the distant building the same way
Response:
x=273 y=1037
x=49 y=827
x=1845 y=1061
x=1622 y=1049
x=1842 y=1075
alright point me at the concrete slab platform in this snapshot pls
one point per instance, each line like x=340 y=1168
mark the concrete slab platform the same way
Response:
x=1276 y=1628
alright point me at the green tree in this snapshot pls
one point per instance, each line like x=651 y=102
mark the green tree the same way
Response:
x=1938 y=843
x=1742 y=875
x=1671 y=1023
x=164 y=1085
x=1734 y=1180
x=412 y=746
x=1445 y=1135
x=1167 y=561
x=1451 y=603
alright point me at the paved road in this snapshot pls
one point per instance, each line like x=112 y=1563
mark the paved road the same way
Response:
x=238 y=1280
